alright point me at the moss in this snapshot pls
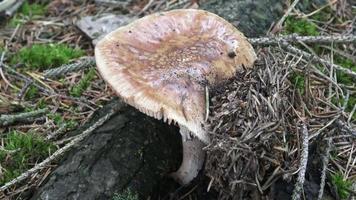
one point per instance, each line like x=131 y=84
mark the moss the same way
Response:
x=83 y=84
x=31 y=93
x=45 y=56
x=21 y=150
x=33 y=9
x=347 y=63
x=347 y=80
x=126 y=195
x=300 y=26
x=298 y=80
x=61 y=122
x=27 y=12
x=342 y=185
x=323 y=15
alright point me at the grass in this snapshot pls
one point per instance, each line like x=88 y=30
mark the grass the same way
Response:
x=20 y=152
x=78 y=89
x=342 y=185
x=45 y=56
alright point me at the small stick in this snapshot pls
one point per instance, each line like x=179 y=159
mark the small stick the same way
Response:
x=6 y=120
x=83 y=63
x=279 y=24
x=325 y=162
x=303 y=164
x=59 y=152
x=306 y=39
x=318 y=59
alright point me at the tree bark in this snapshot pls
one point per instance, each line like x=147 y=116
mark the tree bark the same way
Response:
x=130 y=152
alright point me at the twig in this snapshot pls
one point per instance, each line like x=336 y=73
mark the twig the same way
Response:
x=318 y=59
x=278 y=26
x=303 y=164
x=344 y=127
x=11 y=10
x=4 y=5
x=6 y=120
x=325 y=161
x=59 y=152
x=81 y=64
x=306 y=39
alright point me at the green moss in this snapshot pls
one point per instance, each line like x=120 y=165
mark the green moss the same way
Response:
x=347 y=80
x=347 y=63
x=27 y=12
x=298 y=80
x=21 y=151
x=126 y=195
x=83 y=84
x=31 y=93
x=45 y=56
x=33 y=9
x=323 y=15
x=300 y=26
x=61 y=122
x=342 y=186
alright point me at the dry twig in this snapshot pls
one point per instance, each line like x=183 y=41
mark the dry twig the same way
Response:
x=6 y=120
x=303 y=164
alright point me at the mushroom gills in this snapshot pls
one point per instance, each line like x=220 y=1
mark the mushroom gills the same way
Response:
x=193 y=158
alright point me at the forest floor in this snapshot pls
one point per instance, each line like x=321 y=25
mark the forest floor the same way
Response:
x=39 y=106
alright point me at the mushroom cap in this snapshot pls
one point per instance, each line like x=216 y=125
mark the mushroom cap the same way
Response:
x=161 y=63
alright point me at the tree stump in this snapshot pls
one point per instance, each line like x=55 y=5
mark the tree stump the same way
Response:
x=127 y=155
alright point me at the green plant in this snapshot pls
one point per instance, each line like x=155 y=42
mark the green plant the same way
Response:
x=347 y=80
x=33 y=9
x=298 y=80
x=126 y=195
x=83 y=84
x=20 y=151
x=300 y=26
x=31 y=93
x=342 y=185
x=27 y=12
x=45 y=56
x=61 y=122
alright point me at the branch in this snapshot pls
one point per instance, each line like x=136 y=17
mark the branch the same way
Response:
x=306 y=39
x=81 y=64
x=303 y=164
x=6 y=120
x=308 y=56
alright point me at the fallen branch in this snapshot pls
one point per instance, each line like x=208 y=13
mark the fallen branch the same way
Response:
x=81 y=64
x=306 y=39
x=59 y=152
x=303 y=164
x=6 y=120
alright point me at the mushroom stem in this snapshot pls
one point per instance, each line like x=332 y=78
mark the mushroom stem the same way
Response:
x=193 y=158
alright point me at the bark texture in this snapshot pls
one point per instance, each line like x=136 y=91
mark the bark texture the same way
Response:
x=129 y=152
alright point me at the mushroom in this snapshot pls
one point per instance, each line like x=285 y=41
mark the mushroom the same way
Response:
x=162 y=64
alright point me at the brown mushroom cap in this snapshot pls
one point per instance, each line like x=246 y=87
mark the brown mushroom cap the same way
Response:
x=161 y=63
